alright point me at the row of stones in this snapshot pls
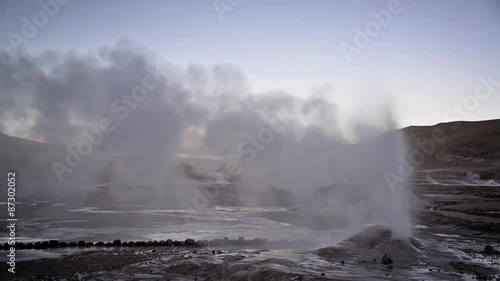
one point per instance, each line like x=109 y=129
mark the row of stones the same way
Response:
x=186 y=243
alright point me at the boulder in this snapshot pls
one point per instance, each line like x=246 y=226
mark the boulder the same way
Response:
x=117 y=242
x=386 y=259
x=73 y=244
x=489 y=250
x=81 y=243
x=178 y=243
x=53 y=243
x=241 y=240
x=99 y=244
x=63 y=244
x=189 y=242
x=169 y=242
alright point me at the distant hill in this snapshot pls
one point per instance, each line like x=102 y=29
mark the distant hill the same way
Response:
x=467 y=143
x=16 y=153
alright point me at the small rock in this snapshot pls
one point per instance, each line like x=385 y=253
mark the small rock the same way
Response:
x=256 y=241
x=386 y=259
x=53 y=243
x=241 y=241
x=189 y=242
x=178 y=243
x=216 y=242
x=342 y=262
x=489 y=250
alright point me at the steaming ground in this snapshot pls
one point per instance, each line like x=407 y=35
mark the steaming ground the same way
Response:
x=133 y=147
x=125 y=102
x=446 y=244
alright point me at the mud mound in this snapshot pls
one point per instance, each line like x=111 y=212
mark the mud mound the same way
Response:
x=372 y=243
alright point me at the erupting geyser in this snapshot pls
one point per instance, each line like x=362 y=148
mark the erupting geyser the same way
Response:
x=271 y=147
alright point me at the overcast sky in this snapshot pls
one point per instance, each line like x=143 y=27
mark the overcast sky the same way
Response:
x=427 y=58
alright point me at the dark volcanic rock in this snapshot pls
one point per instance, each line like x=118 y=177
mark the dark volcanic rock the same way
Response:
x=99 y=244
x=256 y=241
x=117 y=242
x=178 y=243
x=73 y=244
x=63 y=244
x=81 y=243
x=189 y=242
x=489 y=250
x=386 y=259
x=241 y=241
x=108 y=244
x=162 y=243
x=29 y=245
x=44 y=245
x=216 y=242
x=89 y=244
x=169 y=242
x=20 y=245
x=53 y=243
x=156 y=243
x=201 y=243
x=149 y=243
